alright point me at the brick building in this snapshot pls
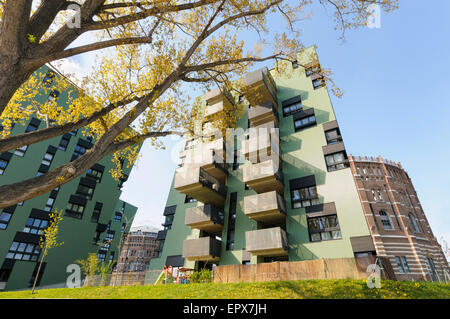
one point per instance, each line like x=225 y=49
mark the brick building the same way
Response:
x=397 y=222
x=138 y=249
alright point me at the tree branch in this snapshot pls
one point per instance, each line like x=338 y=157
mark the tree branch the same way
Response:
x=90 y=47
x=17 y=141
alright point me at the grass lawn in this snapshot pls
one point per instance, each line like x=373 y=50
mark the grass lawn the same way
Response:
x=273 y=290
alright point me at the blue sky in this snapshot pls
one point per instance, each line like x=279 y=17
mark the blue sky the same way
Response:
x=395 y=105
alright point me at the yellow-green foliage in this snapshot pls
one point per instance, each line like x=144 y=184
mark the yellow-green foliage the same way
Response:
x=90 y=265
x=50 y=238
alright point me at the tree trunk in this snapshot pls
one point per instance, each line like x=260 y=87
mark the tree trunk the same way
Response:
x=39 y=270
x=11 y=78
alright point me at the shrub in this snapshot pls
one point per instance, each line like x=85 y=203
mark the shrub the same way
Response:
x=202 y=276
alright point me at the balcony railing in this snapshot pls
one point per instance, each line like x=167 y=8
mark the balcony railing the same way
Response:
x=263 y=113
x=210 y=160
x=198 y=184
x=265 y=176
x=262 y=142
x=202 y=249
x=207 y=218
x=210 y=110
x=261 y=87
x=267 y=242
x=267 y=207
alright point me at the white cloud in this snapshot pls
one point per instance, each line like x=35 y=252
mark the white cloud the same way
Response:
x=71 y=69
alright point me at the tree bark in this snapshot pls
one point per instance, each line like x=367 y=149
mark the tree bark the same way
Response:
x=39 y=270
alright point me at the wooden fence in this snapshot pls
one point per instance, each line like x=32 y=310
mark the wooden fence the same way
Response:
x=339 y=268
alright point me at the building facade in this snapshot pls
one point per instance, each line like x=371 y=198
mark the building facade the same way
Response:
x=287 y=194
x=90 y=203
x=138 y=249
x=397 y=221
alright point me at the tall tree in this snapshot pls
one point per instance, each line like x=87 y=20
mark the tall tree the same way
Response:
x=150 y=50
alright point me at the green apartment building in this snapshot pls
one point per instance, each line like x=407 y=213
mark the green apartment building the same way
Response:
x=292 y=199
x=93 y=217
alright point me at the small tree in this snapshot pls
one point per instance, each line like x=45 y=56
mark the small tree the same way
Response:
x=105 y=269
x=89 y=266
x=49 y=240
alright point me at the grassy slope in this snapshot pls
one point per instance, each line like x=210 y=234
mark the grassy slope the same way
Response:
x=274 y=290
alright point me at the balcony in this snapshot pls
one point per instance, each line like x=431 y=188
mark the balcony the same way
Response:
x=210 y=157
x=262 y=142
x=260 y=87
x=270 y=242
x=202 y=249
x=263 y=113
x=265 y=176
x=216 y=102
x=198 y=184
x=267 y=207
x=206 y=218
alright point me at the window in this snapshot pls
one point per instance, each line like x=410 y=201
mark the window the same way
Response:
x=48 y=79
x=405 y=264
x=304 y=197
x=3 y=165
x=94 y=173
x=117 y=217
x=96 y=213
x=236 y=160
x=292 y=108
x=64 y=143
x=168 y=222
x=402 y=264
x=386 y=221
x=23 y=251
x=79 y=150
x=333 y=136
x=310 y=70
x=189 y=199
x=76 y=210
x=40 y=172
x=231 y=221
x=48 y=157
x=21 y=151
x=305 y=122
x=318 y=83
x=432 y=268
x=101 y=256
x=380 y=196
x=324 y=228
x=399 y=264
x=336 y=161
x=85 y=190
x=5 y=217
x=35 y=226
x=53 y=96
x=414 y=223
x=49 y=204
x=374 y=194
x=33 y=125
x=109 y=235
